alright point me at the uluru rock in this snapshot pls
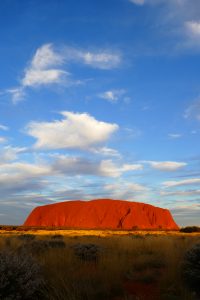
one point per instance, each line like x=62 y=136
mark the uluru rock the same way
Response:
x=102 y=214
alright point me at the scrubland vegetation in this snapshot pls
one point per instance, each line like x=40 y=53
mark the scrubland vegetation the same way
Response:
x=190 y=229
x=116 y=267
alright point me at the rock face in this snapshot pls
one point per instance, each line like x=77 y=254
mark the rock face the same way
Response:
x=102 y=214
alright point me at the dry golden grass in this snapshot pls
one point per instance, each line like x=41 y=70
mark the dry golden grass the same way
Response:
x=91 y=232
x=131 y=265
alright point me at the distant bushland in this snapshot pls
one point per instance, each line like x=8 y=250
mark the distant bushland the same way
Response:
x=190 y=229
x=54 y=228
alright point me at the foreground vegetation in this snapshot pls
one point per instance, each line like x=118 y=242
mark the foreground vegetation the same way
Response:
x=113 y=267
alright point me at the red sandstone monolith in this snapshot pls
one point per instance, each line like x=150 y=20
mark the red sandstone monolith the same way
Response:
x=102 y=214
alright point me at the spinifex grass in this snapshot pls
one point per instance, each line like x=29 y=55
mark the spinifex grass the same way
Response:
x=141 y=262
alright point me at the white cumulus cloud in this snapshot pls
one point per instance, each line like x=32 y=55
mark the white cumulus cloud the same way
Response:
x=75 y=130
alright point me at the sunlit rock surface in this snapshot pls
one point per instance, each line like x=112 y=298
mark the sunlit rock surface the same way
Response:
x=102 y=214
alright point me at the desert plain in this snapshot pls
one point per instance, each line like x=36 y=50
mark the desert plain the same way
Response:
x=68 y=264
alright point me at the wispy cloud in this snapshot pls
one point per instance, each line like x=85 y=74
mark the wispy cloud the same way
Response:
x=43 y=69
x=137 y=2
x=132 y=132
x=193 y=111
x=175 y=135
x=46 y=57
x=9 y=153
x=34 y=78
x=113 y=95
x=71 y=166
x=48 y=67
x=194 y=192
x=166 y=165
x=3 y=127
x=22 y=170
x=180 y=3
x=2 y=139
x=101 y=59
x=193 y=28
x=191 y=181
x=125 y=190
x=18 y=177
x=74 y=131
x=180 y=18
x=17 y=94
x=189 y=214
x=105 y=151
x=136 y=187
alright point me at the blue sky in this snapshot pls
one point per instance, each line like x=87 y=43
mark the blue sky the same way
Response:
x=100 y=99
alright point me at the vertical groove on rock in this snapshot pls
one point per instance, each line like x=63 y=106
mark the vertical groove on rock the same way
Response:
x=121 y=221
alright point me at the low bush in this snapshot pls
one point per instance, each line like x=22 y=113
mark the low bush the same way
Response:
x=191 y=268
x=8 y=227
x=20 y=277
x=40 y=246
x=34 y=247
x=26 y=237
x=87 y=252
x=57 y=236
x=56 y=244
